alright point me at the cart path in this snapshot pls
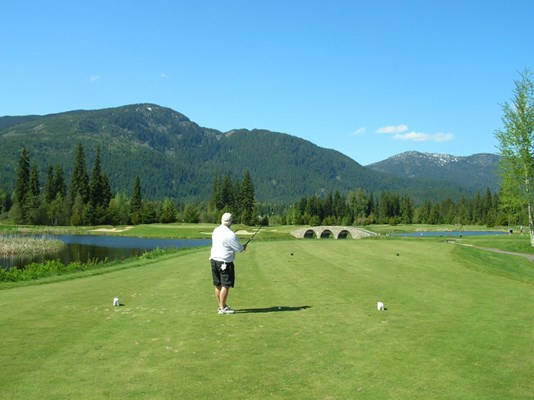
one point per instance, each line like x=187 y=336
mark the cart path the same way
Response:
x=528 y=256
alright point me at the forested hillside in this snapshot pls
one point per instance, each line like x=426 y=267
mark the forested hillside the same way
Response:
x=176 y=158
x=475 y=171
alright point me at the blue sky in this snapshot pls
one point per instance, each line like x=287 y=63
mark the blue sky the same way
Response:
x=370 y=79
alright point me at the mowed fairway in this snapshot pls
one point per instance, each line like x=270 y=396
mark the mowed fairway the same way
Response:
x=453 y=327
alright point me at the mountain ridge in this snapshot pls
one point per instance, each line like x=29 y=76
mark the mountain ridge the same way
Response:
x=478 y=170
x=175 y=157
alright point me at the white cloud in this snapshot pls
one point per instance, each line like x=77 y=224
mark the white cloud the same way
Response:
x=443 y=137
x=424 y=137
x=94 y=78
x=163 y=75
x=358 y=132
x=413 y=136
x=392 y=129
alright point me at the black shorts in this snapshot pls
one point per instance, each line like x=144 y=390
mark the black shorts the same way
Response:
x=222 y=277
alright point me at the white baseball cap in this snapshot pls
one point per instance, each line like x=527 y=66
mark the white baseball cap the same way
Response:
x=226 y=219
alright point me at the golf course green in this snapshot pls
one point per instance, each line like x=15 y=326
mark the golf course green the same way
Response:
x=457 y=324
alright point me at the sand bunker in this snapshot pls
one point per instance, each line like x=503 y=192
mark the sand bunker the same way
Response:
x=123 y=229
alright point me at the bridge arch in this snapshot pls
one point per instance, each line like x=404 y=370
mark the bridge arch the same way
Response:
x=309 y=234
x=325 y=234
x=343 y=234
x=337 y=232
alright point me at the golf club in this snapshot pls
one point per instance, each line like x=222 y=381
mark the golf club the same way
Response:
x=252 y=237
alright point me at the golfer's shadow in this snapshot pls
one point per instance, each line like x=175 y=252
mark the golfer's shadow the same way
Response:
x=271 y=309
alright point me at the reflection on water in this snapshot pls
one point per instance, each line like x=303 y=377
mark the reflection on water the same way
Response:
x=86 y=248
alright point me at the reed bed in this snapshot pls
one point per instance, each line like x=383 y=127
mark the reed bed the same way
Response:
x=16 y=245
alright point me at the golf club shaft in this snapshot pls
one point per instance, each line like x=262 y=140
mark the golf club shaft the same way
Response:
x=252 y=237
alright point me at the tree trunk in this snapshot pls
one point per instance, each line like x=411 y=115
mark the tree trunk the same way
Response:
x=530 y=224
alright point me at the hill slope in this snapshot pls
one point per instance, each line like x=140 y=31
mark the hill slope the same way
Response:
x=177 y=158
x=477 y=171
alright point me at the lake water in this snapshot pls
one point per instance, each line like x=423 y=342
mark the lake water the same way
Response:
x=450 y=233
x=86 y=248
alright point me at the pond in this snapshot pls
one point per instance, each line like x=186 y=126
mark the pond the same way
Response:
x=449 y=233
x=86 y=248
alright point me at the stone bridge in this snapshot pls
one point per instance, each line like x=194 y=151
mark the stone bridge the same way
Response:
x=338 y=232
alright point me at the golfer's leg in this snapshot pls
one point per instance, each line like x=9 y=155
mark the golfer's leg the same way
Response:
x=218 y=296
x=223 y=295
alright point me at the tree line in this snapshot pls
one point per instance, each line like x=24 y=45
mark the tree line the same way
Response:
x=87 y=198
x=362 y=208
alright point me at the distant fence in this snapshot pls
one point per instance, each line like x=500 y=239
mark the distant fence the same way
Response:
x=338 y=232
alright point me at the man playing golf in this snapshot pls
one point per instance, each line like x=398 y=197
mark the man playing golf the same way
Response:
x=224 y=245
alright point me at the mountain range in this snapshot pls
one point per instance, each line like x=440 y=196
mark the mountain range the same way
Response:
x=478 y=171
x=175 y=157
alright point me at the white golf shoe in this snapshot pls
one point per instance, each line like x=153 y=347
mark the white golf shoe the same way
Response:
x=225 y=310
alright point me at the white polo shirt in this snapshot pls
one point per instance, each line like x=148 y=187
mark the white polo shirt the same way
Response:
x=224 y=244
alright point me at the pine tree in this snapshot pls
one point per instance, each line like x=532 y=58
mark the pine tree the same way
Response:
x=98 y=200
x=79 y=183
x=191 y=214
x=406 y=210
x=96 y=183
x=34 y=185
x=19 y=209
x=168 y=211
x=248 y=202
x=49 y=193
x=227 y=193
x=35 y=214
x=136 y=203
x=216 y=200
x=23 y=177
x=59 y=185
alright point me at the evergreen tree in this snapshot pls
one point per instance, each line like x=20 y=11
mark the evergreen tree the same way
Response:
x=248 y=202
x=339 y=205
x=79 y=183
x=235 y=206
x=55 y=183
x=227 y=194
x=34 y=185
x=19 y=210
x=35 y=213
x=463 y=215
x=59 y=185
x=106 y=190
x=216 y=200
x=168 y=211
x=191 y=214
x=96 y=183
x=149 y=213
x=478 y=209
x=136 y=202
x=99 y=192
x=49 y=193
x=487 y=205
x=406 y=210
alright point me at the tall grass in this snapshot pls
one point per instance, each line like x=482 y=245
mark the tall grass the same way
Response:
x=19 y=245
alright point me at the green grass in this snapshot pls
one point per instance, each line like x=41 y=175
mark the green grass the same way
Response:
x=458 y=325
